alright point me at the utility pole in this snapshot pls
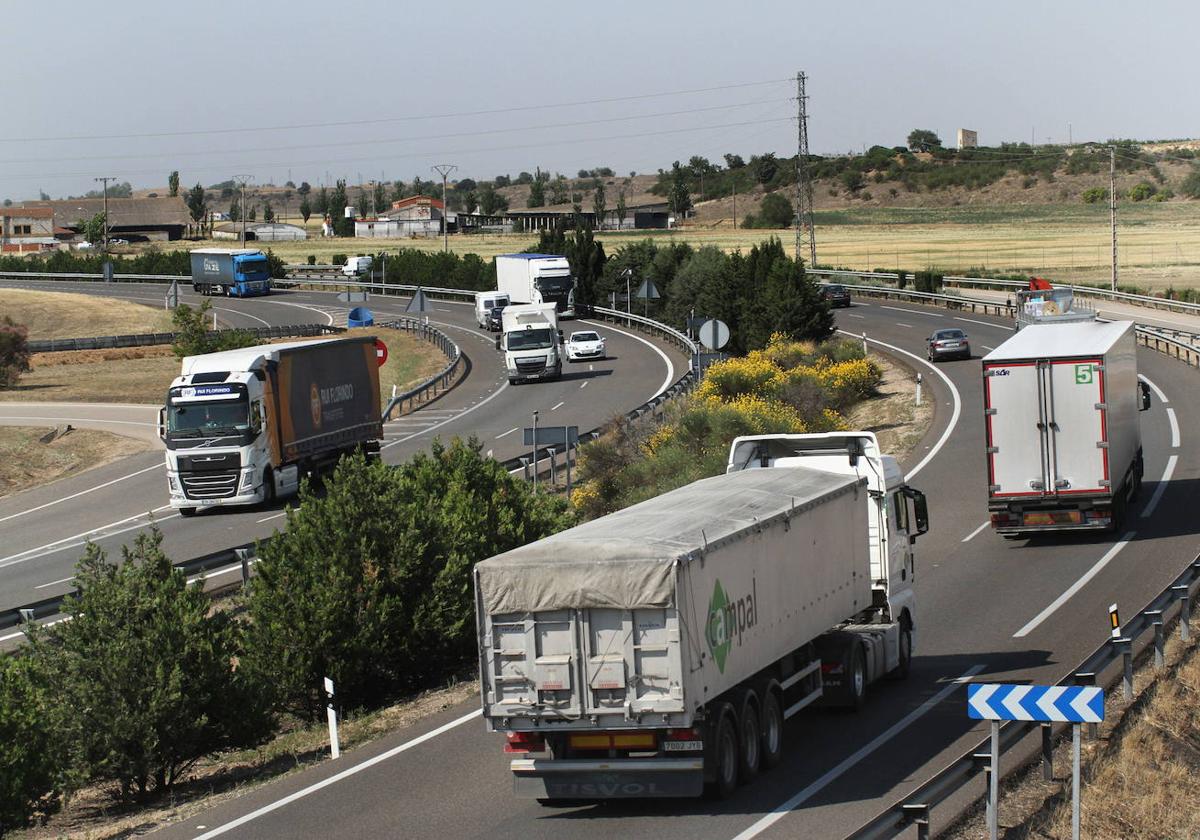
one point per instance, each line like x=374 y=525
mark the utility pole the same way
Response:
x=444 y=169
x=105 y=181
x=805 y=227
x=735 y=180
x=1112 y=208
x=242 y=179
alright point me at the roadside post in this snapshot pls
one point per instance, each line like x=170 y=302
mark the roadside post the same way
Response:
x=919 y=381
x=996 y=702
x=334 y=747
x=535 y=451
x=864 y=339
x=172 y=300
x=547 y=438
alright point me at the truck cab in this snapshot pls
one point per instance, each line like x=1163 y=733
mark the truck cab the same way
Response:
x=537 y=278
x=531 y=342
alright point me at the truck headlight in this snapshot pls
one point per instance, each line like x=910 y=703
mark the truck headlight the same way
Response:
x=247 y=480
x=173 y=483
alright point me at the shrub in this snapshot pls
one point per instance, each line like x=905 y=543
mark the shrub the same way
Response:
x=28 y=757
x=370 y=582
x=1142 y=191
x=312 y=259
x=1190 y=186
x=142 y=679
x=901 y=278
x=726 y=380
x=14 y=352
x=194 y=337
x=339 y=259
x=775 y=211
x=927 y=281
x=1095 y=195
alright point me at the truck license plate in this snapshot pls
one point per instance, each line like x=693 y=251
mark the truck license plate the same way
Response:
x=682 y=746
x=1057 y=517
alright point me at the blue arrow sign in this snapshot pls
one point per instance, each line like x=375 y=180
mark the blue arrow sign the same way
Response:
x=1068 y=704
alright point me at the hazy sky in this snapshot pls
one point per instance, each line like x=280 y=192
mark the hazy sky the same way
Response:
x=424 y=71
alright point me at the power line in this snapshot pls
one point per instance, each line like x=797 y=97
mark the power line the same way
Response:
x=484 y=132
x=377 y=121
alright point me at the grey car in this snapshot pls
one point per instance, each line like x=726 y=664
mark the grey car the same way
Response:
x=948 y=344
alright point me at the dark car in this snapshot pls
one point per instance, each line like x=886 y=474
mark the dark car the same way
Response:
x=948 y=344
x=836 y=295
x=495 y=319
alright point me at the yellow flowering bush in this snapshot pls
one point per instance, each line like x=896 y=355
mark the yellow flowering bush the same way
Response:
x=752 y=374
x=765 y=416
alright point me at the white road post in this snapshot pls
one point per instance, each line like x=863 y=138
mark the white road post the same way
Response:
x=994 y=787
x=919 y=380
x=1076 y=738
x=334 y=747
x=864 y=344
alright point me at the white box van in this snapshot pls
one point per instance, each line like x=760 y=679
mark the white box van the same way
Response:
x=357 y=266
x=485 y=302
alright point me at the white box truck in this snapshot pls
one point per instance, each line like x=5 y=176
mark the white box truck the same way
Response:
x=531 y=342
x=242 y=426
x=1064 y=444
x=659 y=649
x=486 y=304
x=537 y=278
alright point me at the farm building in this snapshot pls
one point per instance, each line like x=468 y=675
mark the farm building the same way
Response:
x=26 y=229
x=637 y=217
x=133 y=219
x=417 y=215
x=262 y=231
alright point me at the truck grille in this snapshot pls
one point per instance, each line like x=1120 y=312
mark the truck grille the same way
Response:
x=210 y=485
x=531 y=365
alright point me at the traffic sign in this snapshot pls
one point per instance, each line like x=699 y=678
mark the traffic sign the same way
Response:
x=1068 y=704
x=419 y=302
x=353 y=297
x=714 y=334
x=647 y=291
x=380 y=352
x=553 y=435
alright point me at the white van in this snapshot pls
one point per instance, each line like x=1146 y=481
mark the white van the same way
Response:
x=485 y=302
x=357 y=266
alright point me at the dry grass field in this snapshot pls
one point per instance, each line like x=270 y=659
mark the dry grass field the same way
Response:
x=62 y=315
x=26 y=461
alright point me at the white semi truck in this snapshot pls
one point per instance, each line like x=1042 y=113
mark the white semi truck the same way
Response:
x=537 y=278
x=243 y=426
x=659 y=649
x=531 y=342
x=1064 y=444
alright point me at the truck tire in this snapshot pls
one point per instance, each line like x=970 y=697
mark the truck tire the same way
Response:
x=268 y=486
x=856 y=678
x=900 y=672
x=726 y=757
x=187 y=511
x=771 y=727
x=749 y=740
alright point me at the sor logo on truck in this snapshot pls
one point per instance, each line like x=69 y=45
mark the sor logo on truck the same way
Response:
x=728 y=619
x=211 y=266
x=314 y=405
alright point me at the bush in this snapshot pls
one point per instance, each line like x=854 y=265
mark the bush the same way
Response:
x=193 y=336
x=14 y=352
x=1142 y=191
x=339 y=259
x=901 y=278
x=927 y=281
x=1095 y=195
x=312 y=259
x=142 y=679
x=28 y=757
x=1190 y=185
x=370 y=583
x=775 y=211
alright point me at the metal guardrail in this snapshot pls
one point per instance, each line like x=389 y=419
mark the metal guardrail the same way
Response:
x=440 y=381
x=117 y=278
x=916 y=807
x=106 y=342
x=1148 y=301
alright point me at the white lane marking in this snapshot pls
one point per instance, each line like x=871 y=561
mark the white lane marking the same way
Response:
x=463 y=413
x=1174 y=428
x=75 y=419
x=80 y=493
x=244 y=314
x=670 y=367
x=80 y=538
x=53 y=583
x=852 y=315
x=1112 y=552
x=345 y=774
x=975 y=533
x=557 y=407
x=328 y=315
x=509 y=432
x=898 y=324
x=984 y=323
x=986 y=347
x=953 y=392
x=912 y=311
x=1158 y=392
x=583 y=384
x=1161 y=488
x=780 y=811
x=269 y=518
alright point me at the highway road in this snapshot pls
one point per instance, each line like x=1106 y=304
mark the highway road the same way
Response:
x=988 y=608
x=43 y=530
x=1026 y=610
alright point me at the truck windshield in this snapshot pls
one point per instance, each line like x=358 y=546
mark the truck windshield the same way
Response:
x=531 y=339
x=555 y=285
x=254 y=269
x=206 y=419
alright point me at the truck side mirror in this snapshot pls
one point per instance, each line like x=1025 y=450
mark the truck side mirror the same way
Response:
x=1145 y=389
x=162 y=423
x=497 y=342
x=920 y=512
x=560 y=337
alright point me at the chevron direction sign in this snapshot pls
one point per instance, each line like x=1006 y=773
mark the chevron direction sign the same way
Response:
x=1069 y=704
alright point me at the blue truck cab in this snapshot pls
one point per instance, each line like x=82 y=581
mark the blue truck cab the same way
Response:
x=236 y=272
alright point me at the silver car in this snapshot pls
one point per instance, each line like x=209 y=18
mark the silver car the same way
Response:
x=948 y=344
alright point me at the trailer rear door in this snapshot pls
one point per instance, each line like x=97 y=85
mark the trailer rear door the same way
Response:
x=1079 y=462
x=1016 y=443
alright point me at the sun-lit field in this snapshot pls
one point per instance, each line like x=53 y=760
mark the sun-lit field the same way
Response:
x=1159 y=244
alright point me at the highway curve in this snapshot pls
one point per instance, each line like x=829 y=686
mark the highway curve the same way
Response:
x=44 y=529
x=980 y=599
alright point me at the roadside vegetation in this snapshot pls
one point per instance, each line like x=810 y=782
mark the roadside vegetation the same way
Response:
x=48 y=315
x=32 y=456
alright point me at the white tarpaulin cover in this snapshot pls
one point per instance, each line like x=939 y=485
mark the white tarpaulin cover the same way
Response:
x=626 y=560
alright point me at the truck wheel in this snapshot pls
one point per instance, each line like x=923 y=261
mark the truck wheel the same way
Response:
x=856 y=678
x=749 y=741
x=268 y=487
x=726 y=756
x=771 y=727
x=901 y=670
x=187 y=511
